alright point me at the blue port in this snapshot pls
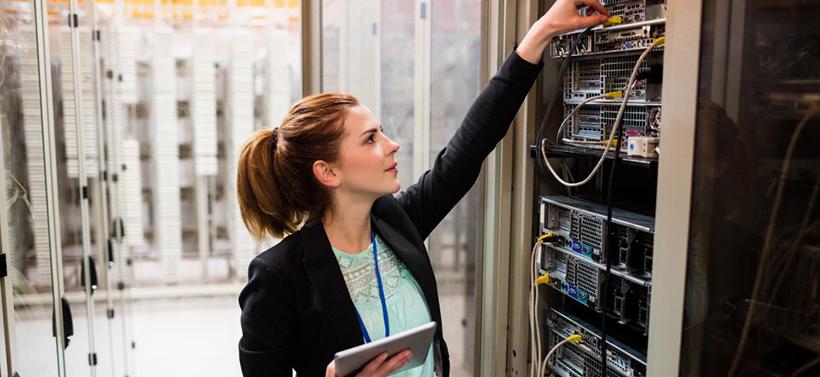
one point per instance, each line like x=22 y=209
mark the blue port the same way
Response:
x=580 y=248
x=576 y=293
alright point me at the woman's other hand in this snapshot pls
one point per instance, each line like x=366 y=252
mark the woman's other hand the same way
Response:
x=561 y=18
x=380 y=366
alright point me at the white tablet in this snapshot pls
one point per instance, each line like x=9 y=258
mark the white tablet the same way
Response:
x=417 y=340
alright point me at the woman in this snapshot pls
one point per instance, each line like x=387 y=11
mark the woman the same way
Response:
x=325 y=178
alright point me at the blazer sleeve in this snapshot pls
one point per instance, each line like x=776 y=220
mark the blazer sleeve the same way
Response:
x=458 y=165
x=267 y=323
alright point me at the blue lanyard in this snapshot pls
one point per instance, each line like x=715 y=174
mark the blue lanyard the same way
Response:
x=381 y=295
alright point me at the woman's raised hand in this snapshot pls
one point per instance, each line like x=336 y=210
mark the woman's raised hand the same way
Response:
x=380 y=366
x=562 y=17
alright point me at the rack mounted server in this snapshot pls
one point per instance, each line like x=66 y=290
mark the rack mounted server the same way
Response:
x=602 y=62
x=584 y=359
x=576 y=263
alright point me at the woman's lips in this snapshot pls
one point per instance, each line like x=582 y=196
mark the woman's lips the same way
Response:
x=393 y=169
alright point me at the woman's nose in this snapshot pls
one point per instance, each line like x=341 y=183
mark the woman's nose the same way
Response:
x=394 y=147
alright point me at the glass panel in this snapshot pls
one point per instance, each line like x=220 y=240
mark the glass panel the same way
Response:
x=367 y=52
x=397 y=73
x=186 y=83
x=751 y=304
x=78 y=166
x=25 y=230
x=455 y=82
x=183 y=85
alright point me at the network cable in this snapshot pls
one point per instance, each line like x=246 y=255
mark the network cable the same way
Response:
x=535 y=337
x=535 y=327
x=558 y=88
x=574 y=338
x=615 y=20
x=610 y=95
x=616 y=125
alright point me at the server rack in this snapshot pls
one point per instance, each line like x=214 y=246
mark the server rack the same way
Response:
x=595 y=244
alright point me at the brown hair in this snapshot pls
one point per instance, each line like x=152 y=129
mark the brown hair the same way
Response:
x=275 y=185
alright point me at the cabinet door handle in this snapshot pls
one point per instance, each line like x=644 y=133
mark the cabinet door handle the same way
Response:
x=68 y=322
x=92 y=266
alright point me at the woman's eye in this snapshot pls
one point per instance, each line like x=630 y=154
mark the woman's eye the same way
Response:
x=371 y=139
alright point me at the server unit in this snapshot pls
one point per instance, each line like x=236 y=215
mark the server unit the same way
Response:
x=574 y=262
x=584 y=359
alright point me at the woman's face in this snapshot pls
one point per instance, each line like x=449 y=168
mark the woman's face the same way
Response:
x=367 y=157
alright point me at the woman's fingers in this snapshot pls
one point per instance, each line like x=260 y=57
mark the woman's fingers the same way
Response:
x=395 y=362
x=331 y=369
x=595 y=4
x=381 y=366
x=374 y=365
x=591 y=19
x=563 y=16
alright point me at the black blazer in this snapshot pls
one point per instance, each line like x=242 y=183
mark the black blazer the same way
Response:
x=296 y=309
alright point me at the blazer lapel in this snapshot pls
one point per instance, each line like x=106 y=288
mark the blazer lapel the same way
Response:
x=327 y=278
x=415 y=259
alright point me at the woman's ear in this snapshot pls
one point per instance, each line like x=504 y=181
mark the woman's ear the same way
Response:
x=326 y=174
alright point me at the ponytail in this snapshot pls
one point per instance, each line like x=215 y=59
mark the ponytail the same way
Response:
x=275 y=185
x=258 y=191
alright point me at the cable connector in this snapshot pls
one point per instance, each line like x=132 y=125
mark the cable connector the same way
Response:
x=659 y=41
x=545 y=235
x=543 y=279
x=575 y=338
x=615 y=94
x=549 y=237
x=614 y=20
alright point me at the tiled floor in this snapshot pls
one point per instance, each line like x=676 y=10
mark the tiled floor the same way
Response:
x=182 y=337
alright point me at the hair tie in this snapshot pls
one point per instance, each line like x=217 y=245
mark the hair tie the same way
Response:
x=275 y=134
x=274 y=138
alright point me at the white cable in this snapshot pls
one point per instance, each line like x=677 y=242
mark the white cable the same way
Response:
x=535 y=306
x=535 y=341
x=627 y=92
x=536 y=348
x=534 y=363
x=574 y=111
x=549 y=355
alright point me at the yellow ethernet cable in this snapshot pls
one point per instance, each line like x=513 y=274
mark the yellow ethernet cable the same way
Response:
x=545 y=235
x=614 y=20
x=659 y=41
x=574 y=338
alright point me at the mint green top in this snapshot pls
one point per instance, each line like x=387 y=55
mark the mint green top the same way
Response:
x=406 y=307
